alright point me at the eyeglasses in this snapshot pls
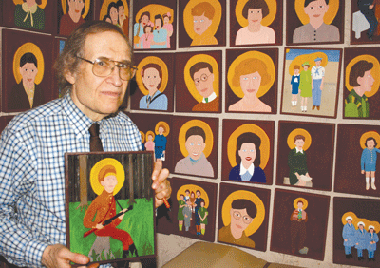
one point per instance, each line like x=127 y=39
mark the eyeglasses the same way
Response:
x=103 y=67
x=246 y=219
x=202 y=78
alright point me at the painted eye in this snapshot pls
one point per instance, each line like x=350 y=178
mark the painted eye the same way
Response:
x=237 y=215
x=252 y=151
x=201 y=20
x=191 y=143
x=244 y=150
x=254 y=77
x=245 y=78
x=195 y=21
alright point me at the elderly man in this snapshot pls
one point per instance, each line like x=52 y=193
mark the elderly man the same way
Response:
x=95 y=68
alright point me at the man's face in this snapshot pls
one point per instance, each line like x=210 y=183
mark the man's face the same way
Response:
x=205 y=88
x=299 y=144
x=29 y=72
x=366 y=81
x=195 y=146
x=361 y=227
x=181 y=197
x=201 y=24
x=247 y=153
x=96 y=96
x=296 y=71
x=250 y=83
x=299 y=205
x=109 y=183
x=318 y=63
x=151 y=79
x=255 y=16
x=240 y=219
x=76 y=6
x=160 y=130
x=370 y=144
x=317 y=9
x=349 y=221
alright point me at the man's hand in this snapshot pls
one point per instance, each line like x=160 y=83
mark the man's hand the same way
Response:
x=160 y=184
x=363 y=171
x=99 y=226
x=58 y=256
x=122 y=216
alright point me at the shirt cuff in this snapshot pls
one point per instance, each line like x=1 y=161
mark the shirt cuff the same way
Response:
x=34 y=251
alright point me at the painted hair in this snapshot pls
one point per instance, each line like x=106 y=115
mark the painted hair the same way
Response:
x=370 y=139
x=255 y=4
x=198 y=66
x=249 y=137
x=108 y=169
x=195 y=131
x=155 y=66
x=245 y=204
x=299 y=137
x=204 y=8
x=249 y=66
x=358 y=70
x=307 y=2
x=28 y=58
x=145 y=13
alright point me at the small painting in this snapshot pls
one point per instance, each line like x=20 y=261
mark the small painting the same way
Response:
x=73 y=13
x=115 y=12
x=365 y=28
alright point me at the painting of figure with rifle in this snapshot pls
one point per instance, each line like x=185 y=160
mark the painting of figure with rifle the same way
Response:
x=110 y=205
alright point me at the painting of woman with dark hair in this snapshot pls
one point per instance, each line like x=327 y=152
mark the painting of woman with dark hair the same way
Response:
x=160 y=34
x=112 y=14
x=30 y=15
x=248 y=145
x=138 y=29
x=73 y=17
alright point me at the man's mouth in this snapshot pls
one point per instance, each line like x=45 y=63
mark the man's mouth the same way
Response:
x=238 y=226
x=204 y=89
x=112 y=94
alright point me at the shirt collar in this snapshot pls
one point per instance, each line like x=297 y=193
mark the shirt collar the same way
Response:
x=297 y=151
x=243 y=170
x=210 y=98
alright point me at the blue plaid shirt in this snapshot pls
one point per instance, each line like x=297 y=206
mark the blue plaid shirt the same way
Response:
x=32 y=173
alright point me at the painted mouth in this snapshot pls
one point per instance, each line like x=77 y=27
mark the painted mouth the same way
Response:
x=251 y=90
x=248 y=158
x=238 y=226
x=316 y=15
x=204 y=89
x=29 y=79
x=77 y=10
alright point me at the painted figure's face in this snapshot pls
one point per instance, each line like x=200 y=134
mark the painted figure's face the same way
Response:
x=306 y=67
x=250 y=83
x=114 y=15
x=299 y=205
x=187 y=193
x=296 y=71
x=31 y=2
x=76 y=6
x=161 y=130
x=181 y=197
x=201 y=24
x=166 y=20
x=371 y=231
x=370 y=144
x=150 y=138
x=366 y=81
x=195 y=146
x=299 y=144
x=361 y=227
x=121 y=13
x=317 y=9
x=202 y=204
x=148 y=30
x=158 y=24
x=240 y=219
x=151 y=79
x=247 y=153
x=204 y=81
x=29 y=72
x=109 y=183
x=255 y=16
x=349 y=221
x=144 y=20
x=198 y=194
x=192 y=195
x=318 y=63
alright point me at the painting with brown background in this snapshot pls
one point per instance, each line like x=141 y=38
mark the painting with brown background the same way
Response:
x=169 y=224
x=188 y=97
x=273 y=20
x=360 y=25
x=333 y=18
x=15 y=44
x=266 y=93
x=233 y=129
x=317 y=210
x=350 y=145
x=319 y=154
x=371 y=55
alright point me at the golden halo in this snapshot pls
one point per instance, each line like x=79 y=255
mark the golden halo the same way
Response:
x=194 y=188
x=105 y=5
x=367 y=135
x=164 y=72
x=327 y=19
x=149 y=132
x=36 y=51
x=299 y=131
x=374 y=72
x=189 y=80
x=166 y=127
x=254 y=55
x=268 y=20
x=209 y=136
x=142 y=136
x=86 y=7
x=20 y=2
x=264 y=146
x=299 y=60
x=244 y=195
x=304 y=201
x=95 y=184
x=188 y=20
x=355 y=221
x=155 y=10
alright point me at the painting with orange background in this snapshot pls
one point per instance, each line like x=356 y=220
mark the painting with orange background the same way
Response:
x=115 y=12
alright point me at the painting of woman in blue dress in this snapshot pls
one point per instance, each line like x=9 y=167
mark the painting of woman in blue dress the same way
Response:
x=368 y=162
x=160 y=34
x=160 y=143
x=30 y=15
x=248 y=150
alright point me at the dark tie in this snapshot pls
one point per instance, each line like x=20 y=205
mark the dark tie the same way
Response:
x=95 y=142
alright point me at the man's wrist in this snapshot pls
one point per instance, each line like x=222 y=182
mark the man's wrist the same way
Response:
x=34 y=252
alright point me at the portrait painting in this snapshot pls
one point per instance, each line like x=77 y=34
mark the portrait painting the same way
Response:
x=255 y=22
x=355 y=165
x=154 y=24
x=115 y=12
x=195 y=146
x=109 y=205
x=243 y=216
x=193 y=210
x=355 y=232
x=202 y=23
x=27 y=81
x=35 y=15
x=251 y=84
x=311 y=82
x=361 y=77
x=199 y=88
x=155 y=88
x=156 y=135
x=300 y=224
x=247 y=148
x=365 y=28
x=73 y=13
x=305 y=151
x=315 y=22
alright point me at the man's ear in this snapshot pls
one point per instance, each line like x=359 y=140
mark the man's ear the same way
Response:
x=70 y=78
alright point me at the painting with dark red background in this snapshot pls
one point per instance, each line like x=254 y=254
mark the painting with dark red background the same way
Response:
x=319 y=154
x=363 y=36
x=229 y=126
x=270 y=97
x=4 y=121
x=184 y=100
x=316 y=225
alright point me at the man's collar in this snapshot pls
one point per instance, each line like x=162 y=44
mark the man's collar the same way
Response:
x=297 y=150
x=210 y=98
